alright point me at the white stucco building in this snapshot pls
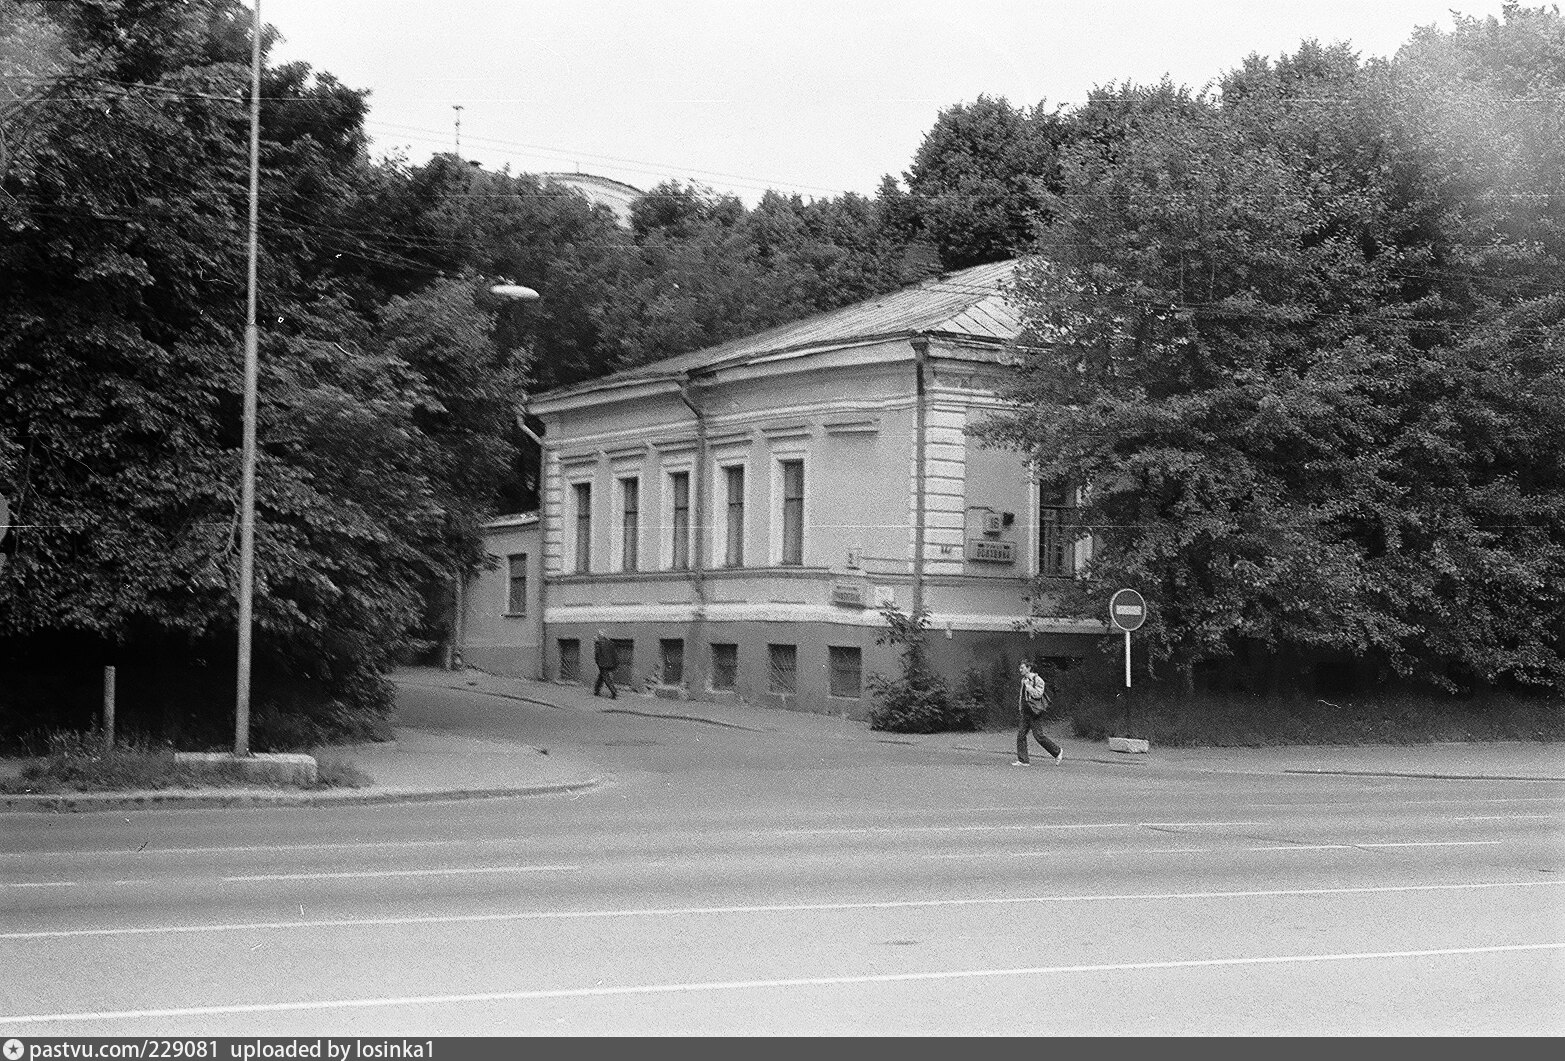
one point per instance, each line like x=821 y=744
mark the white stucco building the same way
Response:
x=736 y=516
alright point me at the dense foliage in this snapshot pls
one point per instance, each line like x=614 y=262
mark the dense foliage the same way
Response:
x=1303 y=339
x=389 y=374
x=1301 y=335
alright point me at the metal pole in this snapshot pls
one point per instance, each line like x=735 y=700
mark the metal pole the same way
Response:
x=247 y=482
x=108 y=710
x=1127 y=659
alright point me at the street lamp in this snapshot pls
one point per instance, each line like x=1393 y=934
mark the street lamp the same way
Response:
x=247 y=475
x=517 y=293
x=514 y=291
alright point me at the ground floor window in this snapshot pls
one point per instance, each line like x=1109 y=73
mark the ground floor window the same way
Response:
x=784 y=668
x=847 y=669
x=625 y=649
x=570 y=659
x=672 y=651
x=725 y=667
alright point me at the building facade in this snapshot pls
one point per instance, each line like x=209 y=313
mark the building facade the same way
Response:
x=735 y=518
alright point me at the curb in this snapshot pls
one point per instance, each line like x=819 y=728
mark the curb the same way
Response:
x=1423 y=776
x=89 y=802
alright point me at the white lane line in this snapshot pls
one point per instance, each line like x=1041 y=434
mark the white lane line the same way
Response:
x=358 y=845
x=751 y=985
x=46 y=884
x=779 y=908
x=1435 y=843
x=393 y=873
x=894 y=830
x=1502 y=817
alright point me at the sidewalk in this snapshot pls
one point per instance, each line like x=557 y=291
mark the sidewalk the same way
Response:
x=417 y=766
x=421 y=765
x=1507 y=760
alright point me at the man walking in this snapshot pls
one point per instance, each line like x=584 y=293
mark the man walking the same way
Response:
x=606 y=656
x=1032 y=702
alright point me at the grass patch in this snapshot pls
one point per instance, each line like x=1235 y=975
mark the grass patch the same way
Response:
x=78 y=762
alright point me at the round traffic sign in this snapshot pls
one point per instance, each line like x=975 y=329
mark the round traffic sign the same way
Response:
x=1127 y=610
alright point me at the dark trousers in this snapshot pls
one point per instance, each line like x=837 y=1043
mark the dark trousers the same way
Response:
x=1035 y=726
x=605 y=677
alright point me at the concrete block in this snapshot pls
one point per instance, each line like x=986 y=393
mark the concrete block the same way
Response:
x=263 y=768
x=1127 y=744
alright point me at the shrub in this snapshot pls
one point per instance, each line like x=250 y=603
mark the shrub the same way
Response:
x=918 y=701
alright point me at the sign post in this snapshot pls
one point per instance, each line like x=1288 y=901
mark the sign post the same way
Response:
x=1127 y=612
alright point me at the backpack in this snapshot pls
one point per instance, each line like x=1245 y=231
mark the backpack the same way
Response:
x=1036 y=695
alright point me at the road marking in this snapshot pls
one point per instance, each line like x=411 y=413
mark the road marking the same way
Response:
x=393 y=873
x=45 y=884
x=1499 y=817
x=751 y=985
x=262 y=848
x=779 y=908
x=996 y=828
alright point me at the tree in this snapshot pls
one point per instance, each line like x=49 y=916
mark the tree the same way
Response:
x=981 y=176
x=1301 y=437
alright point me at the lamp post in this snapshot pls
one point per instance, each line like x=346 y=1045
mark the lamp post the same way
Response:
x=247 y=475
x=516 y=293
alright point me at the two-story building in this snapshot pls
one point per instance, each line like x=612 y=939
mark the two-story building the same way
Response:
x=735 y=517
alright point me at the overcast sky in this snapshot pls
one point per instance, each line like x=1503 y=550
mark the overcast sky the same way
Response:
x=811 y=96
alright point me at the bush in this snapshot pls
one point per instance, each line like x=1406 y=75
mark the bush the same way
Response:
x=918 y=701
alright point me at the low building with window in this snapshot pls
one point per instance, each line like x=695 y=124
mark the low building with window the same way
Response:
x=736 y=517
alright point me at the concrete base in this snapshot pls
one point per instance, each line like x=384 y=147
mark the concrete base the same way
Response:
x=266 y=768
x=1127 y=744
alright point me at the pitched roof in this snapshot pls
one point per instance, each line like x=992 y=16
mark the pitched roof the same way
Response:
x=969 y=304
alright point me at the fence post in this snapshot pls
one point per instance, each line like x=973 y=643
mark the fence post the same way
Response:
x=108 y=710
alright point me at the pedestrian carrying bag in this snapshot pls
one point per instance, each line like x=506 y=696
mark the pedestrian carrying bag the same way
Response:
x=1037 y=703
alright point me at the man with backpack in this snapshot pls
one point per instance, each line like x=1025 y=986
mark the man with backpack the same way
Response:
x=1032 y=703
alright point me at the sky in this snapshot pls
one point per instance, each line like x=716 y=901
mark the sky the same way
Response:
x=818 y=97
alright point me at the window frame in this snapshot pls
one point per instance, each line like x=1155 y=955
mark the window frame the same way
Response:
x=715 y=670
x=627 y=502
x=832 y=672
x=791 y=687
x=581 y=524
x=1056 y=559
x=734 y=514
x=513 y=561
x=679 y=538
x=790 y=512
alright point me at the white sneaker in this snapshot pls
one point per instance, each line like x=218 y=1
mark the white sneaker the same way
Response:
x=1020 y=763
x=1060 y=758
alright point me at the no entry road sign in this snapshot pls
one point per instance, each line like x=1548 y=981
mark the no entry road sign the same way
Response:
x=1127 y=610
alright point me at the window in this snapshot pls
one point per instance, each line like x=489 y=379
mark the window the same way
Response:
x=630 y=520
x=625 y=649
x=785 y=668
x=583 y=498
x=679 y=487
x=847 y=669
x=725 y=666
x=672 y=651
x=516 y=595
x=570 y=659
x=793 y=512
x=1056 y=555
x=733 y=553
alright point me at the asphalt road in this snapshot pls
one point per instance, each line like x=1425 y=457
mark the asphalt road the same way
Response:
x=735 y=882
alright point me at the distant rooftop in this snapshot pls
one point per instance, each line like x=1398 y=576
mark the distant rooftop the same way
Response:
x=969 y=304
x=602 y=191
